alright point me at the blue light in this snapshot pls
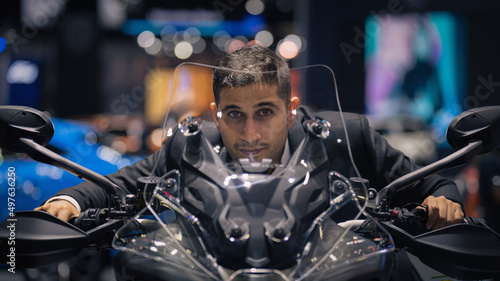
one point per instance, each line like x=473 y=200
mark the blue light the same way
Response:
x=3 y=44
x=22 y=72
x=248 y=26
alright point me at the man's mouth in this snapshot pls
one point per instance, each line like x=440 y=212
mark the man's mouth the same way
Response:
x=251 y=152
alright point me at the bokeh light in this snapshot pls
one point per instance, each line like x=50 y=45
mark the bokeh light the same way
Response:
x=28 y=186
x=155 y=139
x=199 y=46
x=220 y=40
x=155 y=48
x=254 y=7
x=168 y=30
x=287 y=49
x=146 y=39
x=180 y=43
x=242 y=39
x=183 y=50
x=235 y=45
x=112 y=14
x=265 y=37
x=108 y=154
x=295 y=39
x=22 y=72
x=191 y=35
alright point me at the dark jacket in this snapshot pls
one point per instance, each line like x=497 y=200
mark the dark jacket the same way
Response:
x=375 y=159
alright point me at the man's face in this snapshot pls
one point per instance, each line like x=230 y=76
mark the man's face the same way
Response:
x=254 y=121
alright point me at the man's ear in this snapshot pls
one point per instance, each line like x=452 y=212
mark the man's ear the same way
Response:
x=293 y=106
x=213 y=107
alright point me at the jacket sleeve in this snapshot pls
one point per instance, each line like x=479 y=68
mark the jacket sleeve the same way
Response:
x=389 y=164
x=89 y=195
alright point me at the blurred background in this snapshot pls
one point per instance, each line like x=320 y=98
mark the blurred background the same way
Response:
x=100 y=69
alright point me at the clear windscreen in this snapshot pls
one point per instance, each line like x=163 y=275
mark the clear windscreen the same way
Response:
x=263 y=184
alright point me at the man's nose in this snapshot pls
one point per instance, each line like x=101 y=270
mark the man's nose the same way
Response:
x=251 y=131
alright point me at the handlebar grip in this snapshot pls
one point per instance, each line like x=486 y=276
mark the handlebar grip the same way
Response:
x=413 y=214
x=420 y=212
x=74 y=221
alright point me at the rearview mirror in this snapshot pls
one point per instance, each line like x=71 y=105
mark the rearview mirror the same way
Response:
x=18 y=122
x=481 y=123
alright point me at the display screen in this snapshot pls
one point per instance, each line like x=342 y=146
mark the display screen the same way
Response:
x=415 y=68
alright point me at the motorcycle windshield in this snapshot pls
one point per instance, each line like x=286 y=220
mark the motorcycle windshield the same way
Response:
x=259 y=181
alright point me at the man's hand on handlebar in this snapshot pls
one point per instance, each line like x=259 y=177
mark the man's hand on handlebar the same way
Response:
x=442 y=212
x=60 y=208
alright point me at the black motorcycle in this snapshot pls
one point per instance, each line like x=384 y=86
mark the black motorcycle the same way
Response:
x=248 y=220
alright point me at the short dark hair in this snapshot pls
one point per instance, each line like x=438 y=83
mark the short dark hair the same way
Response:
x=252 y=64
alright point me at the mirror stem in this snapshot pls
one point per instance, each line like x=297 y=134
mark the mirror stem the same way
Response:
x=457 y=158
x=44 y=155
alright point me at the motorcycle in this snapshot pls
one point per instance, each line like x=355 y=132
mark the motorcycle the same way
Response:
x=253 y=220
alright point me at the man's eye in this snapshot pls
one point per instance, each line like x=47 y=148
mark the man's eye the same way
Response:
x=234 y=114
x=265 y=112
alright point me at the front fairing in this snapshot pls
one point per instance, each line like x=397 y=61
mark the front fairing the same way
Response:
x=211 y=219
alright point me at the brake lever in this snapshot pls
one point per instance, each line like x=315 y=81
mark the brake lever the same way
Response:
x=411 y=217
x=411 y=213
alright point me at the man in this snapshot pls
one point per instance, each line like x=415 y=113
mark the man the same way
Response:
x=255 y=117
